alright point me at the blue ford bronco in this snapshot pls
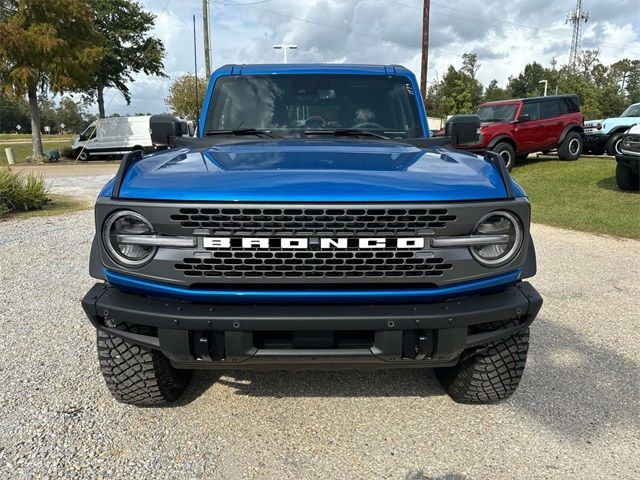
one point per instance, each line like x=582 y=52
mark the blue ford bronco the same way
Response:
x=312 y=223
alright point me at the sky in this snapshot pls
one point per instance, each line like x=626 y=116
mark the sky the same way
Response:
x=505 y=34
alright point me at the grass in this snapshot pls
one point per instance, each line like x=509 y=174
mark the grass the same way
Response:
x=21 y=192
x=580 y=195
x=21 y=145
x=57 y=205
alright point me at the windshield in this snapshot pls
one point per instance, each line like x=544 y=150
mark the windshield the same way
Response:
x=497 y=113
x=289 y=105
x=632 y=111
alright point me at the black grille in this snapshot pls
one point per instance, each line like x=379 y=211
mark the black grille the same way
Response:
x=313 y=221
x=324 y=264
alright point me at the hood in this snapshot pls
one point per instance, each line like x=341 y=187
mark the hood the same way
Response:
x=348 y=170
x=593 y=122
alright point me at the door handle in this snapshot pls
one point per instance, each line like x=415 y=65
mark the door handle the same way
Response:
x=540 y=126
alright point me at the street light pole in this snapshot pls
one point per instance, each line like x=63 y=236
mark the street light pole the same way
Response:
x=545 y=86
x=284 y=48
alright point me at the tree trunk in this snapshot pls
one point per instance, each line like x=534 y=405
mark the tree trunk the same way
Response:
x=36 y=136
x=100 y=90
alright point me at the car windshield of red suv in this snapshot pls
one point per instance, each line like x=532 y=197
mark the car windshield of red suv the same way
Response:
x=497 y=113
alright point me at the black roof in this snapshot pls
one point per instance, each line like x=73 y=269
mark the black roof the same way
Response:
x=548 y=98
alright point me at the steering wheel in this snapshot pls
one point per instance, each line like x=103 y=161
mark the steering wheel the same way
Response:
x=367 y=125
x=315 y=121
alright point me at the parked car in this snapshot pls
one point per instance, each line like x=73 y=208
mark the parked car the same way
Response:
x=515 y=128
x=628 y=160
x=313 y=224
x=605 y=135
x=113 y=137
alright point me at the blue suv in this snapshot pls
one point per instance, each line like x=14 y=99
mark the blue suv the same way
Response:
x=312 y=224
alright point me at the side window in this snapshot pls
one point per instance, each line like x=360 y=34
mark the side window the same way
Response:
x=532 y=109
x=550 y=109
x=564 y=106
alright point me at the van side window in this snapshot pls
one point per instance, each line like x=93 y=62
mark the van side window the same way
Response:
x=532 y=109
x=549 y=109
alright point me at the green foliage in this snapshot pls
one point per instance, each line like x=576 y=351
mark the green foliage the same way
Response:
x=182 y=96
x=21 y=193
x=14 y=110
x=50 y=43
x=493 y=92
x=127 y=47
x=457 y=92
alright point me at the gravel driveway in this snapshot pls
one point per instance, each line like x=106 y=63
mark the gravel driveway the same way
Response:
x=575 y=415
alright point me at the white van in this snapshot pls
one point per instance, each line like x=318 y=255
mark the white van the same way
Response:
x=113 y=137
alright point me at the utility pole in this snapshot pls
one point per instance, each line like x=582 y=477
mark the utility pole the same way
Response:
x=195 y=67
x=426 y=6
x=205 y=30
x=284 y=48
x=576 y=17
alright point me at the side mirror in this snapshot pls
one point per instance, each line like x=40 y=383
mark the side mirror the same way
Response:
x=463 y=129
x=164 y=128
x=524 y=118
x=82 y=138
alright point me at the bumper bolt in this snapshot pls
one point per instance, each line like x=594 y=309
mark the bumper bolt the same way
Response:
x=106 y=313
x=236 y=324
x=209 y=323
x=176 y=321
x=390 y=324
x=418 y=322
x=518 y=311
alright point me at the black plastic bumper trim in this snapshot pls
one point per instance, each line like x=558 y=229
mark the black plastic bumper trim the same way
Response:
x=175 y=321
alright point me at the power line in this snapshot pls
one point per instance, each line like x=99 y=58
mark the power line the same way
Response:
x=514 y=26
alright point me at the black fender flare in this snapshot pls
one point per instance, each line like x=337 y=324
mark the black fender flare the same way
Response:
x=574 y=127
x=621 y=129
x=95 y=264
x=530 y=266
x=502 y=138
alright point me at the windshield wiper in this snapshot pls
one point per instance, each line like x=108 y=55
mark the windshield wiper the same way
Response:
x=243 y=131
x=346 y=132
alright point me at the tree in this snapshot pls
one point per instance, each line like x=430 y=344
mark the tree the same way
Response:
x=182 y=96
x=493 y=92
x=46 y=44
x=470 y=64
x=127 y=47
x=14 y=111
x=527 y=84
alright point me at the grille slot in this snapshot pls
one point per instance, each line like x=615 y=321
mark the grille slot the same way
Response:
x=313 y=221
x=316 y=264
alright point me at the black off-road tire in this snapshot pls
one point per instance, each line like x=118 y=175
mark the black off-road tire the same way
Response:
x=626 y=179
x=571 y=147
x=612 y=146
x=489 y=373
x=137 y=375
x=507 y=152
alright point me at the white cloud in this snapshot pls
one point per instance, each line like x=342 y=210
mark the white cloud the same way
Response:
x=506 y=35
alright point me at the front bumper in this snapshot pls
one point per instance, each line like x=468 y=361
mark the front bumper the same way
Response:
x=254 y=336
x=631 y=161
x=595 y=140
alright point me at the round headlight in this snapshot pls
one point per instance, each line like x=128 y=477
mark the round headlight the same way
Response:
x=505 y=226
x=117 y=235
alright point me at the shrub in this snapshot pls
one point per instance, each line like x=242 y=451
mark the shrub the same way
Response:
x=67 y=153
x=21 y=192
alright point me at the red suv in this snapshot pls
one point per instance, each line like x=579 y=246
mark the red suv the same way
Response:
x=515 y=128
